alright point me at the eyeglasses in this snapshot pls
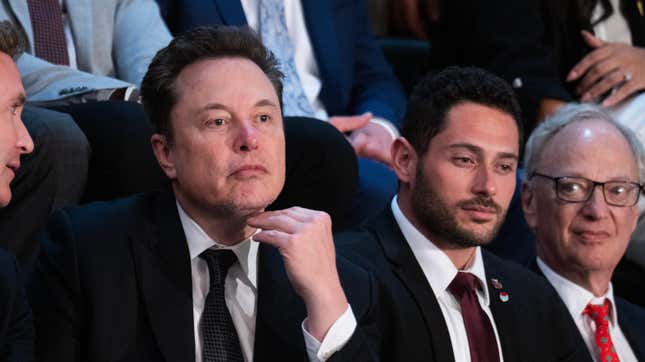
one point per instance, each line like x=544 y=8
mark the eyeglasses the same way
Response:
x=580 y=189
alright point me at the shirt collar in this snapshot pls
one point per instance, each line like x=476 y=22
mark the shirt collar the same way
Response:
x=576 y=297
x=436 y=265
x=198 y=241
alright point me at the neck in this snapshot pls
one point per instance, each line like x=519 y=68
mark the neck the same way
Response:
x=227 y=230
x=595 y=281
x=460 y=256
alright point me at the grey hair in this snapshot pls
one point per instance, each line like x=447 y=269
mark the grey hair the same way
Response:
x=569 y=114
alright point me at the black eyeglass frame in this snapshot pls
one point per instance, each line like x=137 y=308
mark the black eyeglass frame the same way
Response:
x=556 y=181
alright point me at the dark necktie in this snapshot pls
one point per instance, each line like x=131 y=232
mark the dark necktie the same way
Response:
x=600 y=316
x=49 y=33
x=481 y=338
x=220 y=340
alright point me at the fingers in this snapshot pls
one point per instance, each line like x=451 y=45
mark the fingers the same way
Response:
x=598 y=72
x=607 y=83
x=589 y=61
x=627 y=89
x=350 y=123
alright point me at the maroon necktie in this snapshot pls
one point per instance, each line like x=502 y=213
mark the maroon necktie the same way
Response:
x=481 y=338
x=49 y=33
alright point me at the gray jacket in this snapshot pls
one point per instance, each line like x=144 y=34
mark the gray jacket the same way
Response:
x=114 y=40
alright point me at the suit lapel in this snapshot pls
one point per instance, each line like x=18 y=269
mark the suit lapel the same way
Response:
x=279 y=309
x=83 y=30
x=21 y=10
x=408 y=270
x=631 y=333
x=319 y=19
x=231 y=12
x=163 y=271
x=503 y=312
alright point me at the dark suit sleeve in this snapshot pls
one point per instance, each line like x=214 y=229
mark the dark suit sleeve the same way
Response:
x=362 y=293
x=375 y=88
x=54 y=290
x=506 y=37
x=16 y=331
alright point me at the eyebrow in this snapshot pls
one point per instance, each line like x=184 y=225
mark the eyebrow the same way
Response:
x=479 y=151
x=260 y=103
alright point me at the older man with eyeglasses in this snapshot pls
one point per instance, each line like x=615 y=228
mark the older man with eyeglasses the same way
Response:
x=584 y=177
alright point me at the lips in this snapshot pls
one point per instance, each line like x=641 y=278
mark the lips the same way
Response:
x=592 y=235
x=482 y=209
x=249 y=170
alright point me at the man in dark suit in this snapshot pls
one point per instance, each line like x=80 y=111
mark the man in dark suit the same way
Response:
x=584 y=179
x=201 y=272
x=16 y=330
x=456 y=166
x=336 y=64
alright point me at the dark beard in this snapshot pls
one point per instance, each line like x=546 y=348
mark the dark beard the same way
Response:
x=440 y=220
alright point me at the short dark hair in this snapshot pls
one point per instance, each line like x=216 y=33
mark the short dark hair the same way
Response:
x=158 y=91
x=435 y=95
x=12 y=40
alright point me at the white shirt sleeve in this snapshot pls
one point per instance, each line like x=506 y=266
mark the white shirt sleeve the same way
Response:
x=335 y=339
x=389 y=127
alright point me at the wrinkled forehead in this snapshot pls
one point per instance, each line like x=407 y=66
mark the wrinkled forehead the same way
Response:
x=594 y=149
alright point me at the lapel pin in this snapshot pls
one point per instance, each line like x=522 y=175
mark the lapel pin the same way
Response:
x=496 y=283
x=503 y=296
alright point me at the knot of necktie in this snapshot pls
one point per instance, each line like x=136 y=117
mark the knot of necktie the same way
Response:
x=600 y=315
x=462 y=283
x=219 y=262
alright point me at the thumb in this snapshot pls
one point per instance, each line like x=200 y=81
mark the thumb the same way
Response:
x=350 y=123
x=592 y=40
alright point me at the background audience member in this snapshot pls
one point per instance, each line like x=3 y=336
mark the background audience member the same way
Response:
x=16 y=329
x=456 y=166
x=334 y=71
x=584 y=178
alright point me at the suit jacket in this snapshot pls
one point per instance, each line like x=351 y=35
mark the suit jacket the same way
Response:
x=631 y=319
x=355 y=76
x=16 y=328
x=532 y=44
x=114 y=40
x=113 y=283
x=532 y=325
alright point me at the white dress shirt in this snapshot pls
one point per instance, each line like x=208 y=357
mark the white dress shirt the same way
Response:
x=240 y=292
x=439 y=272
x=576 y=299
x=305 y=61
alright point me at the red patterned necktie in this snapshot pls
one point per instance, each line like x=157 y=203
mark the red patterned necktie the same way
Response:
x=481 y=337
x=600 y=315
x=49 y=33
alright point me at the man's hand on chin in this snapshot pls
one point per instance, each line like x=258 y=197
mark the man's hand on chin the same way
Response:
x=304 y=239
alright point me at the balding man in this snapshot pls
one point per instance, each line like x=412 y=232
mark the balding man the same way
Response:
x=584 y=178
x=16 y=332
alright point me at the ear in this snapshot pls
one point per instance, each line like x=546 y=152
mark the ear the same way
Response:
x=164 y=154
x=529 y=204
x=404 y=160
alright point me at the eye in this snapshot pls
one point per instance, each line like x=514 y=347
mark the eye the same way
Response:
x=216 y=122
x=14 y=109
x=264 y=118
x=618 y=190
x=507 y=168
x=572 y=187
x=462 y=161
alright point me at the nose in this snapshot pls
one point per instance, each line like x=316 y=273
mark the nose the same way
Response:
x=247 y=137
x=484 y=183
x=596 y=207
x=23 y=139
